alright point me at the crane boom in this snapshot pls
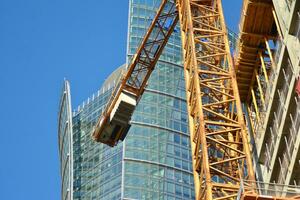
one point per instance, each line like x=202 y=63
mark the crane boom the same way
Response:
x=114 y=122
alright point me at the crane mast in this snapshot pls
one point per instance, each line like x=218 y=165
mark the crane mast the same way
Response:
x=221 y=156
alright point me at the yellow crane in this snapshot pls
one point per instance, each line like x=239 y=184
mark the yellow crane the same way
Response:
x=221 y=156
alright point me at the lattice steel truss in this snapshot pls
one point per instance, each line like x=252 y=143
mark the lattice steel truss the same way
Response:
x=141 y=66
x=221 y=155
x=151 y=48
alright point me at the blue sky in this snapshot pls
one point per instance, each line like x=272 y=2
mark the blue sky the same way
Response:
x=41 y=42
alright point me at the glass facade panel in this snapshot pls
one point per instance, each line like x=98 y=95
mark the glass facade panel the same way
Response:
x=97 y=167
x=157 y=146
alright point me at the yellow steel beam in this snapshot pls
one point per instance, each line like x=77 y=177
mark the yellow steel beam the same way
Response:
x=212 y=94
x=259 y=87
x=277 y=23
x=251 y=119
x=270 y=54
x=255 y=105
x=264 y=67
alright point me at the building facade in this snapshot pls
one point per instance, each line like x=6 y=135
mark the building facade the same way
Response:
x=283 y=115
x=154 y=161
x=157 y=162
x=65 y=140
x=273 y=102
x=97 y=167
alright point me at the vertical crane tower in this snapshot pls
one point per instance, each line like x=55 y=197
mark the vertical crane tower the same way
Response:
x=221 y=156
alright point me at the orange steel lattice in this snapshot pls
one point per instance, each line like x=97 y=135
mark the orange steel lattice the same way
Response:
x=221 y=155
x=151 y=48
x=142 y=64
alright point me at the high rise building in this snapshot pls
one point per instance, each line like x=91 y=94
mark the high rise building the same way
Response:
x=157 y=163
x=267 y=61
x=97 y=167
x=154 y=161
x=65 y=140
x=278 y=142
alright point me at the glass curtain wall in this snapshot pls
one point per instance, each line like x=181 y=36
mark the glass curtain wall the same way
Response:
x=157 y=161
x=97 y=167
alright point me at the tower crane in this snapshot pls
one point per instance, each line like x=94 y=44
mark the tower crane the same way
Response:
x=221 y=156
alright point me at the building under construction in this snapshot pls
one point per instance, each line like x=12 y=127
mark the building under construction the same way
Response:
x=243 y=111
x=267 y=68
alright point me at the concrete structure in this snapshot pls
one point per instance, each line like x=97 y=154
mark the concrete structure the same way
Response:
x=271 y=100
x=282 y=162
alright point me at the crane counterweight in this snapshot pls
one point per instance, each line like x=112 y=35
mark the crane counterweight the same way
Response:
x=114 y=127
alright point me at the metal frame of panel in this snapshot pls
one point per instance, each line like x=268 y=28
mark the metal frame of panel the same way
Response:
x=66 y=134
x=220 y=149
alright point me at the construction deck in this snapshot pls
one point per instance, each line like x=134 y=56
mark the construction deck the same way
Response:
x=256 y=27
